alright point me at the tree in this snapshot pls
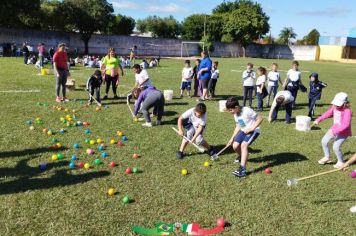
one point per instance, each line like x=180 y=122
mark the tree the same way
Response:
x=244 y=21
x=87 y=17
x=166 y=27
x=286 y=34
x=51 y=16
x=312 y=38
x=122 y=25
x=19 y=13
x=193 y=26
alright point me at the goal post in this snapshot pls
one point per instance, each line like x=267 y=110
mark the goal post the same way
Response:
x=183 y=47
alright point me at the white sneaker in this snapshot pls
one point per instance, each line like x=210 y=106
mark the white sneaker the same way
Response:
x=147 y=124
x=339 y=164
x=353 y=209
x=141 y=119
x=324 y=160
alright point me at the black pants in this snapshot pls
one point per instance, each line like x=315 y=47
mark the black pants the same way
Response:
x=248 y=90
x=212 y=85
x=111 y=81
x=312 y=103
x=25 y=58
x=97 y=94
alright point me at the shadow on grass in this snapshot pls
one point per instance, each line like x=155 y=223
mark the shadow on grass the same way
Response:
x=24 y=152
x=334 y=200
x=170 y=113
x=230 y=150
x=226 y=96
x=277 y=160
x=170 y=122
x=175 y=103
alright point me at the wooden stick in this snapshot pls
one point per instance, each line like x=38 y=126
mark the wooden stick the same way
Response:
x=221 y=151
x=319 y=174
x=187 y=139
x=133 y=116
x=99 y=104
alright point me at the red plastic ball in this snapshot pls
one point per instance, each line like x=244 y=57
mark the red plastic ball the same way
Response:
x=112 y=164
x=80 y=164
x=268 y=171
x=220 y=222
x=128 y=170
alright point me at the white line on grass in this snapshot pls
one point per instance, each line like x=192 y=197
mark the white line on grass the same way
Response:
x=21 y=91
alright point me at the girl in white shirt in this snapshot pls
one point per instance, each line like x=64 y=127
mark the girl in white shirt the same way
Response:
x=273 y=78
x=260 y=84
x=293 y=80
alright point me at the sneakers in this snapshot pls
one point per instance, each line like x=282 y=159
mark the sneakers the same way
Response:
x=141 y=119
x=158 y=122
x=179 y=155
x=65 y=99
x=105 y=97
x=181 y=96
x=241 y=172
x=237 y=160
x=339 y=165
x=58 y=99
x=147 y=124
x=212 y=151
x=324 y=160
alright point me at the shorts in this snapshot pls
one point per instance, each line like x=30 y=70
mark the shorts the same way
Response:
x=205 y=83
x=191 y=132
x=186 y=85
x=249 y=138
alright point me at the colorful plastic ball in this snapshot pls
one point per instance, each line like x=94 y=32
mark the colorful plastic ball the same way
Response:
x=54 y=157
x=76 y=146
x=206 y=164
x=86 y=124
x=97 y=162
x=97 y=109
x=32 y=127
x=268 y=171
x=87 y=131
x=79 y=123
x=135 y=170
x=43 y=166
x=124 y=138
x=120 y=143
x=62 y=119
x=54 y=140
x=99 y=140
x=73 y=158
x=87 y=141
x=87 y=166
x=353 y=174
x=29 y=122
x=92 y=142
x=126 y=200
x=62 y=130
x=135 y=119
x=45 y=130
x=80 y=165
x=128 y=170
x=38 y=104
x=60 y=156
x=112 y=141
x=49 y=133
x=55 y=147
x=66 y=110
x=136 y=155
x=111 y=192
x=68 y=124
x=119 y=133
x=73 y=110
x=101 y=148
x=104 y=154
x=90 y=151
x=103 y=145
x=184 y=172
x=72 y=165
x=112 y=164
x=220 y=222
x=59 y=145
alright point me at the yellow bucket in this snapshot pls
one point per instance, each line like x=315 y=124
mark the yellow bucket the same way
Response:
x=44 y=71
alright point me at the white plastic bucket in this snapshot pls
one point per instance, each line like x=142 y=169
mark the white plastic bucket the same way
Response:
x=222 y=105
x=168 y=95
x=302 y=123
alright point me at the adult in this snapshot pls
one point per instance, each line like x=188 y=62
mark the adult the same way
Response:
x=204 y=74
x=133 y=55
x=283 y=98
x=41 y=53
x=25 y=53
x=61 y=72
x=111 y=67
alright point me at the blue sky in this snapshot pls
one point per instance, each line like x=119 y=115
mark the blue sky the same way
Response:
x=329 y=17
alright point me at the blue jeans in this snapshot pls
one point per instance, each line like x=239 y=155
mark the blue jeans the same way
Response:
x=259 y=101
x=248 y=90
x=270 y=90
x=312 y=102
x=288 y=112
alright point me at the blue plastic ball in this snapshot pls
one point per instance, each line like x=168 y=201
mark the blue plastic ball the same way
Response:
x=87 y=131
x=62 y=131
x=76 y=146
x=124 y=138
x=72 y=165
x=101 y=148
x=29 y=122
x=104 y=154
x=73 y=158
x=43 y=166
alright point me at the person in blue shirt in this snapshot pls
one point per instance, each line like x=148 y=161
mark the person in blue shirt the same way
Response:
x=204 y=74
x=315 y=88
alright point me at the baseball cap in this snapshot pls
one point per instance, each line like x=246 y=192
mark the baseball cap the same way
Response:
x=315 y=75
x=340 y=99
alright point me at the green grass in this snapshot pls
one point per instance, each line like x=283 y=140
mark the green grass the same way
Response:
x=60 y=201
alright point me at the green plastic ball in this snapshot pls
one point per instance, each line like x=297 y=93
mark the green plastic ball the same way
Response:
x=87 y=141
x=97 y=162
x=60 y=156
x=126 y=200
x=135 y=170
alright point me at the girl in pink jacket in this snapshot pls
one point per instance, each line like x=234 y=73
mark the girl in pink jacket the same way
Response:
x=339 y=131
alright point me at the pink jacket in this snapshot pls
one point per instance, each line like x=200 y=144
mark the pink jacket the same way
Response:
x=342 y=120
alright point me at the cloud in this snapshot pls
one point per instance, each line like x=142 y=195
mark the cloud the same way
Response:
x=170 y=8
x=329 y=12
x=125 y=5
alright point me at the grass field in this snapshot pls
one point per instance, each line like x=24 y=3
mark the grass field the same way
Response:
x=60 y=201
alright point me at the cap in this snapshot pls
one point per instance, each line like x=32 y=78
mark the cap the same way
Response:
x=315 y=75
x=340 y=99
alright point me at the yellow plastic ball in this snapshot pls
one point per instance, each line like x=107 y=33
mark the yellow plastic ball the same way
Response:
x=111 y=192
x=99 y=140
x=135 y=119
x=119 y=133
x=32 y=127
x=92 y=142
x=112 y=141
x=70 y=119
x=206 y=164
x=49 y=133
x=59 y=145
x=87 y=166
x=66 y=110
x=54 y=157
x=184 y=172
x=61 y=119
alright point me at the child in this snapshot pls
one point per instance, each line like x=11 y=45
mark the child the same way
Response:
x=283 y=98
x=194 y=121
x=260 y=83
x=246 y=131
x=315 y=88
x=248 y=77
x=339 y=131
x=293 y=81
x=197 y=85
x=150 y=97
x=214 y=78
x=273 y=78
x=142 y=79
x=93 y=85
x=187 y=74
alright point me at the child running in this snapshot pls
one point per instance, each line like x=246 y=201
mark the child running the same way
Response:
x=315 y=88
x=93 y=85
x=339 y=131
x=215 y=73
x=187 y=74
x=273 y=78
x=246 y=131
x=248 y=77
x=194 y=121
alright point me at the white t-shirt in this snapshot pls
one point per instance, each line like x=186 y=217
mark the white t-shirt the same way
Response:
x=288 y=98
x=215 y=74
x=246 y=119
x=196 y=121
x=187 y=74
x=261 y=79
x=249 y=78
x=142 y=76
x=273 y=78
x=293 y=75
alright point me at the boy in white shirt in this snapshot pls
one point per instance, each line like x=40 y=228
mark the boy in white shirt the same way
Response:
x=246 y=131
x=194 y=121
x=215 y=73
x=293 y=80
x=248 y=77
x=273 y=78
x=283 y=98
x=142 y=79
x=187 y=74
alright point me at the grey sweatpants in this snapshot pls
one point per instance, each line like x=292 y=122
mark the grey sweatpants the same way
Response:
x=61 y=81
x=154 y=99
x=338 y=141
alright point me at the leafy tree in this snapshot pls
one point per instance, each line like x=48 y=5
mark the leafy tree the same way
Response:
x=166 y=27
x=208 y=43
x=87 y=17
x=193 y=26
x=19 y=13
x=286 y=34
x=312 y=38
x=51 y=16
x=227 y=38
x=141 y=26
x=122 y=25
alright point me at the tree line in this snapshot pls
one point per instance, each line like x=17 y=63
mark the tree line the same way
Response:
x=240 y=21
